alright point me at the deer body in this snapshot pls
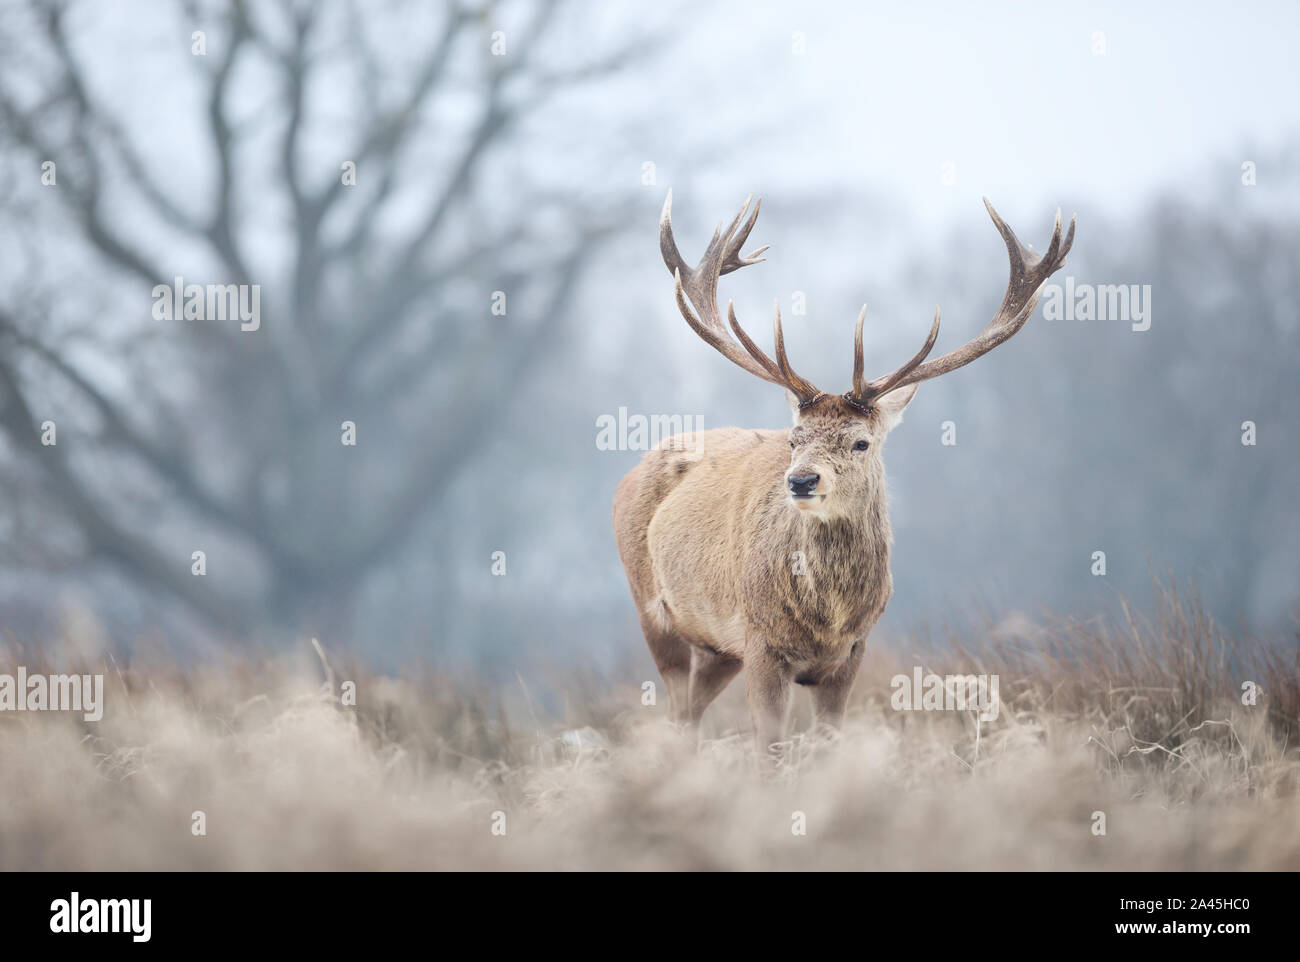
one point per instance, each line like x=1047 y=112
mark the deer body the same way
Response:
x=726 y=573
x=769 y=550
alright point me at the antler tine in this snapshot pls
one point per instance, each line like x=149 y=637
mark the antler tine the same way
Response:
x=860 y=388
x=722 y=250
x=667 y=245
x=732 y=259
x=895 y=379
x=699 y=327
x=859 y=381
x=805 y=390
x=1028 y=273
x=1026 y=266
x=754 y=350
x=697 y=288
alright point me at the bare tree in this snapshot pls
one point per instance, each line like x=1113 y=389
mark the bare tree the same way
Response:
x=377 y=243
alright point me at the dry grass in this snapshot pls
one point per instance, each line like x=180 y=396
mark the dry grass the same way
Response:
x=1142 y=722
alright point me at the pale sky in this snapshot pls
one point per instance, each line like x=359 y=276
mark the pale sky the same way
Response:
x=1017 y=100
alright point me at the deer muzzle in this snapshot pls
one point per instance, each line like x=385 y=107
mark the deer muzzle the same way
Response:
x=803 y=485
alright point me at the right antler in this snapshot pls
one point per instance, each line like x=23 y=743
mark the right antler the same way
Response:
x=1029 y=271
x=700 y=285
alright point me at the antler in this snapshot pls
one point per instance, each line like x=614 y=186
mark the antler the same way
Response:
x=699 y=284
x=1028 y=274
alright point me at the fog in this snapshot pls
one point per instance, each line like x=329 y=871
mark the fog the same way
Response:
x=450 y=213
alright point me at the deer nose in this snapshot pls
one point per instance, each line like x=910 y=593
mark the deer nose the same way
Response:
x=802 y=485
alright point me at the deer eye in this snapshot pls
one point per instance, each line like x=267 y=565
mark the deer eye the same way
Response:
x=861 y=445
x=791 y=445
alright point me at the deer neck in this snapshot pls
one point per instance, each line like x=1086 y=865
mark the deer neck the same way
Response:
x=848 y=557
x=862 y=535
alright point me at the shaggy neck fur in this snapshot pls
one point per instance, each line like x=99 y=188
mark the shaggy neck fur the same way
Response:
x=843 y=583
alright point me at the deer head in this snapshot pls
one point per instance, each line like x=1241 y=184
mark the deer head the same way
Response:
x=835 y=459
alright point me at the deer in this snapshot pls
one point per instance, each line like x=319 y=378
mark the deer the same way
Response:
x=769 y=550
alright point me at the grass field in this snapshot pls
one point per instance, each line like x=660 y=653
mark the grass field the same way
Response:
x=1142 y=722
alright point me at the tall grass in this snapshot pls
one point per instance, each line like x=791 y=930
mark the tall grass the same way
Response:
x=1140 y=722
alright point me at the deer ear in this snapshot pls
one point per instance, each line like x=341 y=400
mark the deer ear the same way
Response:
x=892 y=404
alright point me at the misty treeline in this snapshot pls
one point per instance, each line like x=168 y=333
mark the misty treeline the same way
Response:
x=450 y=215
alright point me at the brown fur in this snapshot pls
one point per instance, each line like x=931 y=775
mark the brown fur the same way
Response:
x=727 y=571
x=727 y=567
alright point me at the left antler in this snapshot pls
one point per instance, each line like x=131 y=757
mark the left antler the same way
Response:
x=698 y=286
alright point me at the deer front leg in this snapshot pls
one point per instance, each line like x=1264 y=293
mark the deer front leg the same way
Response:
x=831 y=694
x=768 y=689
x=711 y=672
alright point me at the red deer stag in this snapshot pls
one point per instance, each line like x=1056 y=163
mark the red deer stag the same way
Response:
x=770 y=549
